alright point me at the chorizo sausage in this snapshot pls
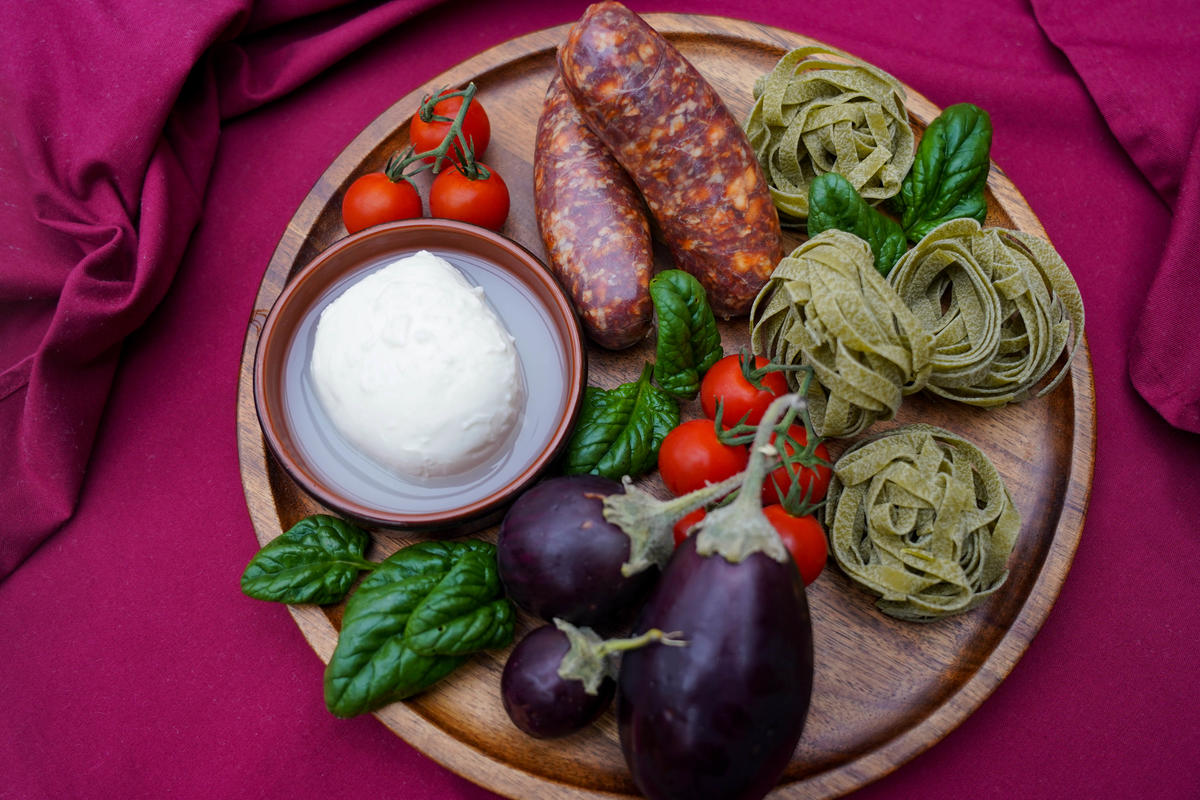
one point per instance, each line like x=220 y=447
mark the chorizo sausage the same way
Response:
x=594 y=225
x=685 y=152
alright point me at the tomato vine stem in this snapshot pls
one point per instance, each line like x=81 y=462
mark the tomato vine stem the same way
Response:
x=407 y=163
x=788 y=452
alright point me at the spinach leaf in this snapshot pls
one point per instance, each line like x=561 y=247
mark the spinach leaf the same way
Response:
x=375 y=662
x=949 y=174
x=620 y=430
x=314 y=561
x=688 y=340
x=465 y=612
x=833 y=203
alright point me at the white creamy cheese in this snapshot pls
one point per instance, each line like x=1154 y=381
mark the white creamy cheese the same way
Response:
x=416 y=371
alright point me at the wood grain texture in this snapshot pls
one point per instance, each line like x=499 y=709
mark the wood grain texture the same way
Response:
x=884 y=690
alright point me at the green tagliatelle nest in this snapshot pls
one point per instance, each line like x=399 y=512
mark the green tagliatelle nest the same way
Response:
x=920 y=517
x=814 y=115
x=825 y=305
x=1001 y=305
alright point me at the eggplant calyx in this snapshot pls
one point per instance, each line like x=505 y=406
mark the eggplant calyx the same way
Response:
x=740 y=529
x=590 y=659
x=648 y=521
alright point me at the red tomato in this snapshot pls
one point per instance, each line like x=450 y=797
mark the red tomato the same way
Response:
x=685 y=524
x=482 y=202
x=816 y=476
x=739 y=398
x=476 y=128
x=804 y=538
x=375 y=198
x=692 y=457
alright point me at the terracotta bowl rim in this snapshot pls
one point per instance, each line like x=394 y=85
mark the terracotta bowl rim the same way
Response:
x=267 y=404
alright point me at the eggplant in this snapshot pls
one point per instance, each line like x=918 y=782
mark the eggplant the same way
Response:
x=721 y=717
x=588 y=550
x=560 y=558
x=559 y=678
x=538 y=699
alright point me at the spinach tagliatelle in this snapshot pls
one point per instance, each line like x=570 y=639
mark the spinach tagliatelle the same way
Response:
x=1002 y=308
x=821 y=110
x=921 y=518
x=825 y=305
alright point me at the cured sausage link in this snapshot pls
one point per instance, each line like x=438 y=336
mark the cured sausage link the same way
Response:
x=594 y=225
x=685 y=152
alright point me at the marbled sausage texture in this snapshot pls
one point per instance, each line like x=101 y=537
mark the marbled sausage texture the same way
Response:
x=594 y=225
x=685 y=152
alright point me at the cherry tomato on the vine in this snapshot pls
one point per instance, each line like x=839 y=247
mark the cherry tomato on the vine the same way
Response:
x=725 y=382
x=375 y=198
x=482 y=202
x=814 y=480
x=691 y=456
x=685 y=523
x=803 y=537
x=476 y=128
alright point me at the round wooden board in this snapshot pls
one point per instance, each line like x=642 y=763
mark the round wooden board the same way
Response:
x=884 y=690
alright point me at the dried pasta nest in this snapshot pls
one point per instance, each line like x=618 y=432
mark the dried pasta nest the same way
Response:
x=815 y=114
x=1002 y=308
x=825 y=305
x=921 y=518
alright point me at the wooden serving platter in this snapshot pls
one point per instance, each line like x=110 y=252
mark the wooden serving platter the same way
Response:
x=884 y=690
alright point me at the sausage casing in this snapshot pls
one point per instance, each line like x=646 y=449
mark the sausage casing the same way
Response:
x=686 y=153
x=594 y=225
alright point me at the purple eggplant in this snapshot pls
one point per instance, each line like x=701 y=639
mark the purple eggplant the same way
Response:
x=721 y=717
x=559 y=678
x=537 y=698
x=559 y=557
x=588 y=550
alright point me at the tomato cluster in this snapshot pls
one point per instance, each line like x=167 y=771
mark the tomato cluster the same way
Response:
x=465 y=189
x=734 y=393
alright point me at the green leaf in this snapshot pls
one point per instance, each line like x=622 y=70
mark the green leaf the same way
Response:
x=620 y=430
x=833 y=203
x=949 y=174
x=462 y=614
x=375 y=662
x=688 y=340
x=315 y=561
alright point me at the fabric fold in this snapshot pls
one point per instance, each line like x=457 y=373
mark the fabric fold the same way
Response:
x=113 y=137
x=1143 y=72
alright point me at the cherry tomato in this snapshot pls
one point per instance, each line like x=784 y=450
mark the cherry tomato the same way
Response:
x=726 y=383
x=482 y=202
x=476 y=127
x=691 y=457
x=817 y=477
x=375 y=198
x=685 y=524
x=803 y=537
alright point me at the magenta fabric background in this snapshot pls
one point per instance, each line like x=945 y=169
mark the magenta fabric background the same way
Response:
x=143 y=199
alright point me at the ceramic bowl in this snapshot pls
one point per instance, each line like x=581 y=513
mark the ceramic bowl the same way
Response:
x=309 y=448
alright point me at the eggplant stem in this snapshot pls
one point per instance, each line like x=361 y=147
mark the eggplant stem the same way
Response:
x=614 y=646
x=739 y=530
x=648 y=521
x=590 y=659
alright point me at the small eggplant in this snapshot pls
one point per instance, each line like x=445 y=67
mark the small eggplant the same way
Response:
x=588 y=550
x=559 y=557
x=560 y=678
x=721 y=717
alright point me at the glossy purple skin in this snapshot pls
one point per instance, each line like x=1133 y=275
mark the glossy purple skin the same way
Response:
x=559 y=557
x=540 y=702
x=720 y=717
